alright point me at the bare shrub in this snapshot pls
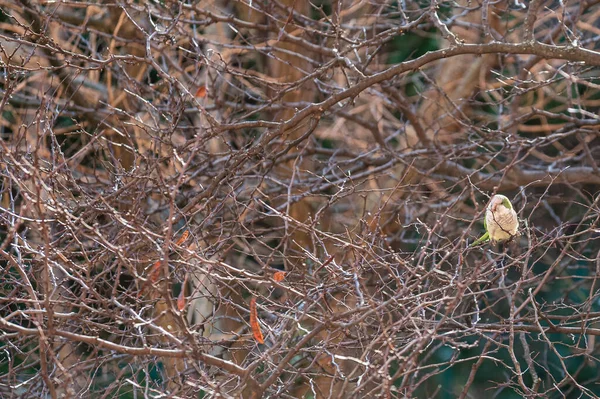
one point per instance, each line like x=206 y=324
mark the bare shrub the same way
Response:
x=276 y=199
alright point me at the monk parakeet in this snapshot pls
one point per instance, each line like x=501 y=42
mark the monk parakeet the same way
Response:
x=500 y=222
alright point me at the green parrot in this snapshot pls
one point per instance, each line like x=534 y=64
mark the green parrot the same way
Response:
x=500 y=222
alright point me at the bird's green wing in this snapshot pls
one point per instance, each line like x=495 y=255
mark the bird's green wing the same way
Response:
x=485 y=237
x=506 y=202
x=481 y=239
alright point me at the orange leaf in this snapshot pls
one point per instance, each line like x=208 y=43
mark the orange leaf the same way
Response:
x=183 y=237
x=278 y=276
x=201 y=92
x=254 y=325
x=181 y=300
x=181 y=297
x=155 y=272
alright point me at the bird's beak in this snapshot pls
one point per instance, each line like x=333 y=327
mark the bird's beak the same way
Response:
x=495 y=205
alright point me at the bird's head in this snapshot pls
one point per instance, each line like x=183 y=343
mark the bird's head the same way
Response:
x=499 y=200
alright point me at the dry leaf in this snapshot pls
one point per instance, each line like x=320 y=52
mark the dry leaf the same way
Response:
x=183 y=237
x=254 y=325
x=155 y=273
x=181 y=297
x=181 y=300
x=201 y=92
x=278 y=276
